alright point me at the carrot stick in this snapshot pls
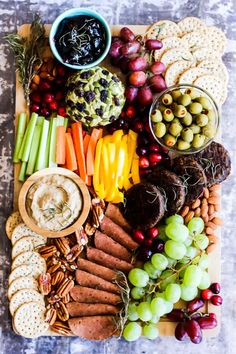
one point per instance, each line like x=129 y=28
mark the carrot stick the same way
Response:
x=60 y=145
x=89 y=183
x=71 y=163
x=77 y=134
x=68 y=130
x=86 y=142
x=95 y=136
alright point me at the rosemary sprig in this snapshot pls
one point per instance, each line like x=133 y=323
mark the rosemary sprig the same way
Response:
x=28 y=53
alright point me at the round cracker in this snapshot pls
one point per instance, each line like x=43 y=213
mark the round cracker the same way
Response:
x=172 y=55
x=27 y=243
x=206 y=53
x=26 y=270
x=29 y=257
x=174 y=71
x=169 y=43
x=214 y=86
x=163 y=29
x=22 y=230
x=190 y=75
x=215 y=67
x=24 y=296
x=195 y=39
x=13 y=220
x=216 y=38
x=21 y=283
x=29 y=320
x=190 y=24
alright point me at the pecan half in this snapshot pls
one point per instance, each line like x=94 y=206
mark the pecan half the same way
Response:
x=89 y=229
x=54 y=267
x=81 y=237
x=65 y=287
x=66 y=299
x=61 y=328
x=62 y=311
x=50 y=316
x=53 y=298
x=62 y=245
x=57 y=277
x=74 y=253
x=45 y=283
x=47 y=251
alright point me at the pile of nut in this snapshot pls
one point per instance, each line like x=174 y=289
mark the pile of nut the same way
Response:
x=207 y=208
x=61 y=255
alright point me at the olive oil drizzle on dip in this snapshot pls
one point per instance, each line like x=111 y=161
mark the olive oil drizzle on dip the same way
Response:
x=80 y=40
x=54 y=202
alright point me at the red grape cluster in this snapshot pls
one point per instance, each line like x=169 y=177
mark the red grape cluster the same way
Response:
x=49 y=95
x=191 y=321
x=128 y=54
x=149 y=242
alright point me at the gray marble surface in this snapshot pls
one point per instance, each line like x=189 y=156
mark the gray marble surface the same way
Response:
x=215 y=12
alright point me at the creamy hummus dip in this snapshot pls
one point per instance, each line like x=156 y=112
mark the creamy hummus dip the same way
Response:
x=54 y=202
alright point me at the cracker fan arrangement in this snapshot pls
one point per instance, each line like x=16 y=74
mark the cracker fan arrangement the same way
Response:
x=117 y=176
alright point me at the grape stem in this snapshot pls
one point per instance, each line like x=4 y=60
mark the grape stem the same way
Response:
x=176 y=271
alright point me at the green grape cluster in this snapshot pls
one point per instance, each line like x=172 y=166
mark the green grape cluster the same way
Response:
x=176 y=274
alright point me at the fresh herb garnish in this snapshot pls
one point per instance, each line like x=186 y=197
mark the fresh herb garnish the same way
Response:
x=28 y=53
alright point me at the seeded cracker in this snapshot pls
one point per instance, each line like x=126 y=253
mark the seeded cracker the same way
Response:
x=27 y=243
x=189 y=24
x=174 y=71
x=13 y=220
x=29 y=257
x=169 y=43
x=22 y=230
x=190 y=75
x=21 y=283
x=163 y=29
x=23 y=296
x=214 y=85
x=172 y=55
x=26 y=270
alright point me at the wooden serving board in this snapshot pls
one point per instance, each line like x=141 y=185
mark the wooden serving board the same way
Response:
x=166 y=328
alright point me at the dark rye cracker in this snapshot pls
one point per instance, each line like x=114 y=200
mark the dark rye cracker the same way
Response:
x=193 y=176
x=216 y=162
x=171 y=186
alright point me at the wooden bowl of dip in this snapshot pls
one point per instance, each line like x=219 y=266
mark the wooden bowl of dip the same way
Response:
x=57 y=210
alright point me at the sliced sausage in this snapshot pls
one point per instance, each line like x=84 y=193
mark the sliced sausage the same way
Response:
x=92 y=281
x=96 y=269
x=77 y=309
x=107 y=260
x=90 y=295
x=117 y=233
x=93 y=327
x=107 y=244
x=114 y=213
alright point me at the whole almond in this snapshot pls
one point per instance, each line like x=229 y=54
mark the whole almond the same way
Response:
x=217 y=207
x=189 y=216
x=197 y=212
x=204 y=201
x=184 y=211
x=211 y=248
x=213 y=238
x=196 y=204
x=216 y=187
x=218 y=221
x=214 y=194
x=209 y=231
x=211 y=209
x=205 y=218
x=206 y=193
x=211 y=225
x=204 y=210
x=213 y=200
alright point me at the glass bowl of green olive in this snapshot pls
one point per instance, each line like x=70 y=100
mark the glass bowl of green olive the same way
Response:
x=184 y=118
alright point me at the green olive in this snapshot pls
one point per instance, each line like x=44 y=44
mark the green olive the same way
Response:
x=159 y=129
x=209 y=131
x=211 y=117
x=169 y=140
x=167 y=99
x=161 y=107
x=183 y=145
x=176 y=94
x=185 y=99
x=187 y=135
x=175 y=129
x=180 y=111
x=192 y=92
x=156 y=116
x=187 y=120
x=168 y=115
x=201 y=120
x=198 y=140
x=195 y=108
x=206 y=104
x=195 y=128
x=176 y=120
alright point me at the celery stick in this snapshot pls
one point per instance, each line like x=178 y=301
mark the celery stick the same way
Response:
x=66 y=122
x=22 y=171
x=60 y=120
x=40 y=120
x=42 y=157
x=29 y=137
x=52 y=144
x=46 y=156
x=19 y=135
x=23 y=144
x=34 y=150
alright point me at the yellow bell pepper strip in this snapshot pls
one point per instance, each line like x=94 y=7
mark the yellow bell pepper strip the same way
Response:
x=132 y=145
x=135 y=169
x=117 y=135
x=97 y=184
x=111 y=147
x=104 y=169
x=121 y=162
x=118 y=198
